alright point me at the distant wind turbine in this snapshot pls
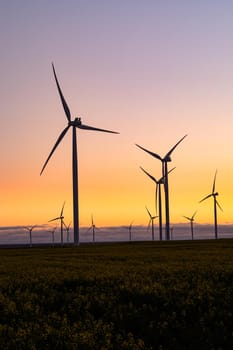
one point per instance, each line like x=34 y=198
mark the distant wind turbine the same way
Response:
x=158 y=198
x=214 y=195
x=151 y=221
x=93 y=227
x=30 y=229
x=67 y=227
x=76 y=123
x=191 y=219
x=61 y=217
x=171 y=231
x=52 y=232
x=130 y=231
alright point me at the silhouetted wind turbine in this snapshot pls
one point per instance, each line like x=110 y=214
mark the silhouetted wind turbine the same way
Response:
x=67 y=227
x=76 y=123
x=30 y=229
x=61 y=217
x=171 y=231
x=165 y=160
x=130 y=231
x=191 y=222
x=93 y=227
x=158 y=198
x=214 y=195
x=53 y=231
x=151 y=221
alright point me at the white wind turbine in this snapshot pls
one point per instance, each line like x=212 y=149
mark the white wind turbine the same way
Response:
x=60 y=217
x=30 y=229
x=158 y=198
x=214 y=195
x=76 y=123
x=151 y=221
x=165 y=160
x=191 y=220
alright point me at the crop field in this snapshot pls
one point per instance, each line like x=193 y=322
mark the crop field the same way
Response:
x=160 y=295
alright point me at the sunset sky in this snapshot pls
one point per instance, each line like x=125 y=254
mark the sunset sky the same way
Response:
x=152 y=70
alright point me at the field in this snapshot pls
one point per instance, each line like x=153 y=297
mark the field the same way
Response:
x=161 y=295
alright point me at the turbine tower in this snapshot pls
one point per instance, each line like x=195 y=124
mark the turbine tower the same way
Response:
x=191 y=219
x=76 y=123
x=158 y=198
x=214 y=195
x=164 y=161
x=60 y=217
x=30 y=229
x=151 y=221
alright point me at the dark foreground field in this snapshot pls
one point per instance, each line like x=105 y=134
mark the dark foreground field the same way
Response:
x=175 y=295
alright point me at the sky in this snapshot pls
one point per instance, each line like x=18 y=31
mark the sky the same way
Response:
x=152 y=70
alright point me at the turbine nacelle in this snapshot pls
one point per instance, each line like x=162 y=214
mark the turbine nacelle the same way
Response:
x=76 y=122
x=167 y=159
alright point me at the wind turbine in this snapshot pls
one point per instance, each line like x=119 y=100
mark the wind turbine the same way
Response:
x=165 y=160
x=30 y=229
x=171 y=231
x=214 y=195
x=67 y=232
x=61 y=217
x=52 y=232
x=76 y=123
x=130 y=231
x=158 y=198
x=151 y=221
x=93 y=227
x=191 y=219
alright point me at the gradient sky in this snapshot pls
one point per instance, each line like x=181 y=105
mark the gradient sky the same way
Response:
x=153 y=70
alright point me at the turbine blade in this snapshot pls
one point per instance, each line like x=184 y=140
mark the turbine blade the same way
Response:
x=62 y=210
x=92 y=221
x=155 y=155
x=170 y=170
x=148 y=212
x=209 y=195
x=213 y=190
x=54 y=147
x=218 y=205
x=172 y=149
x=152 y=177
x=149 y=224
x=89 y=229
x=194 y=214
x=186 y=217
x=58 y=218
x=87 y=127
x=65 y=106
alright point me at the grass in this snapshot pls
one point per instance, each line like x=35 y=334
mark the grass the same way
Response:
x=144 y=295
